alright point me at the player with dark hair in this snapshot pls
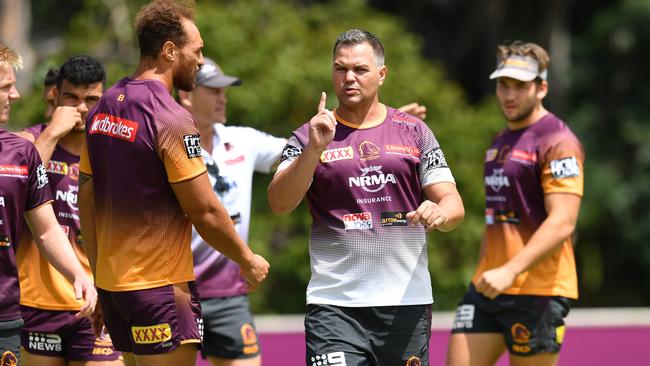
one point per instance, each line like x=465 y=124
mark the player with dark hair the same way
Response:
x=52 y=335
x=25 y=197
x=141 y=174
x=533 y=173
x=376 y=181
x=49 y=82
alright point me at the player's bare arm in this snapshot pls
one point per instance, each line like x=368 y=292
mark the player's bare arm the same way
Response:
x=64 y=119
x=289 y=186
x=563 y=209
x=442 y=210
x=414 y=109
x=54 y=244
x=213 y=223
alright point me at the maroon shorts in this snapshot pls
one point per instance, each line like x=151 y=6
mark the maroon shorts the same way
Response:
x=153 y=321
x=60 y=334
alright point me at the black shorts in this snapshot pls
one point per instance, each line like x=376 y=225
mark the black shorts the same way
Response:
x=228 y=328
x=529 y=324
x=10 y=341
x=365 y=336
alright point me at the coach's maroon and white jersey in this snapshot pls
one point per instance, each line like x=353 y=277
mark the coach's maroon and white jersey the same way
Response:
x=363 y=251
x=23 y=186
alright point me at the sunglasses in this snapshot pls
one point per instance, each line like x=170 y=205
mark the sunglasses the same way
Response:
x=220 y=184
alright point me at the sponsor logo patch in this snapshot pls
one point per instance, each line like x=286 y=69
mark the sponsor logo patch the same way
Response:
x=8 y=359
x=392 y=218
x=41 y=177
x=464 y=317
x=565 y=168
x=290 y=152
x=434 y=159
x=4 y=242
x=368 y=151
x=44 y=342
x=559 y=334
x=493 y=216
x=14 y=170
x=413 y=361
x=113 y=126
x=497 y=180
x=192 y=145
x=152 y=334
x=523 y=156
x=235 y=160
x=249 y=338
x=57 y=167
x=69 y=196
x=491 y=154
x=344 y=153
x=402 y=150
x=521 y=337
x=358 y=221
x=372 y=179
x=363 y=201
x=329 y=359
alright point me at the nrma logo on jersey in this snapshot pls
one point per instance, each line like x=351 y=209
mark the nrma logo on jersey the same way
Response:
x=497 y=180
x=44 y=342
x=372 y=179
x=358 y=221
x=112 y=126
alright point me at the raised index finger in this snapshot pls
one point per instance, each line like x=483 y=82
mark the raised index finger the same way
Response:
x=323 y=101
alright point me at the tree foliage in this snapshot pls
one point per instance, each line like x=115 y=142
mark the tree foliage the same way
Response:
x=282 y=50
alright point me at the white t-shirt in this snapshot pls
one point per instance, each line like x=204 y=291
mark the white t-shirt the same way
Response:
x=238 y=152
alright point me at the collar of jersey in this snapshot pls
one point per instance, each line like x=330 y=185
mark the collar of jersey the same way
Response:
x=365 y=125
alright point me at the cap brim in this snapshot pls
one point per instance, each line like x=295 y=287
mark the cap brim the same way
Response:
x=221 y=81
x=509 y=72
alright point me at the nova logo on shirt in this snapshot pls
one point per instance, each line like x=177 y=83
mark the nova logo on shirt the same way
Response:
x=343 y=153
x=112 y=126
x=358 y=221
x=44 y=342
x=192 y=146
x=14 y=170
x=497 y=180
x=372 y=179
x=152 y=334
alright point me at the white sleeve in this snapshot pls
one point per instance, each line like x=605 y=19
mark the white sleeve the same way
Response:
x=266 y=148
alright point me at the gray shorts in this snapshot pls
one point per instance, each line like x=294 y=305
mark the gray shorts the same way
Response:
x=229 y=330
x=530 y=324
x=10 y=341
x=368 y=336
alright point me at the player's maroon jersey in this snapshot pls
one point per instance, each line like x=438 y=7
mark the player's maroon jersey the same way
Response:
x=41 y=285
x=139 y=141
x=521 y=167
x=363 y=250
x=23 y=186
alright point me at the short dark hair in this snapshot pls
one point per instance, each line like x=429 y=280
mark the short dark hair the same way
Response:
x=81 y=70
x=358 y=36
x=161 y=21
x=51 y=76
